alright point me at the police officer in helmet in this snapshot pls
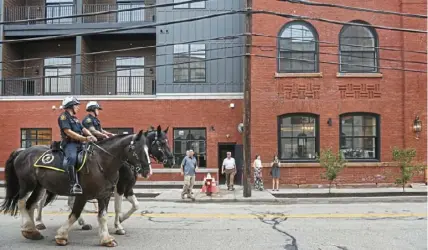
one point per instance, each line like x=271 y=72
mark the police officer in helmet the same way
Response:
x=72 y=134
x=92 y=123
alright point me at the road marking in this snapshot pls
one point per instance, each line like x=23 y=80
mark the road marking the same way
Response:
x=264 y=216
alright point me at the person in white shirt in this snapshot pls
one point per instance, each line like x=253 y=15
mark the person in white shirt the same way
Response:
x=229 y=167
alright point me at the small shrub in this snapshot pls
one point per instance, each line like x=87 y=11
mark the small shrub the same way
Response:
x=408 y=168
x=333 y=164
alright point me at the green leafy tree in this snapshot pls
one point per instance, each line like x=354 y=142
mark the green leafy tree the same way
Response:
x=408 y=168
x=333 y=164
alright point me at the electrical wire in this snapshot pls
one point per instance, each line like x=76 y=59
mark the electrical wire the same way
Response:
x=275 y=13
x=386 y=12
x=102 y=12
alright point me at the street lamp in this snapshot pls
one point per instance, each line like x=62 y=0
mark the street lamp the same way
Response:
x=417 y=126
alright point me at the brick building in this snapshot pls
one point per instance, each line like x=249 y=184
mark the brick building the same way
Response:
x=301 y=107
x=298 y=106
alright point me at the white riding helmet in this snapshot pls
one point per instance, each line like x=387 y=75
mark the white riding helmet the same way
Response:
x=69 y=102
x=92 y=105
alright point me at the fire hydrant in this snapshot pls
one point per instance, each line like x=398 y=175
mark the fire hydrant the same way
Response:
x=208 y=185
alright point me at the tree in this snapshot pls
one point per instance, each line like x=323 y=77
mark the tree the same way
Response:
x=408 y=168
x=333 y=164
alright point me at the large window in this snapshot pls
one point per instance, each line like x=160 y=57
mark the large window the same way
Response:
x=359 y=136
x=190 y=138
x=197 y=5
x=298 y=137
x=358 y=46
x=57 y=75
x=59 y=8
x=130 y=16
x=189 y=63
x=130 y=75
x=298 y=48
x=35 y=136
x=120 y=131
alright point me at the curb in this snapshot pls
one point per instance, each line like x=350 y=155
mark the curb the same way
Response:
x=351 y=195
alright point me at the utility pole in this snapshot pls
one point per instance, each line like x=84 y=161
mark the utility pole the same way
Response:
x=247 y=100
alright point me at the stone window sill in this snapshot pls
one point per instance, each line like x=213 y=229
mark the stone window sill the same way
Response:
x=359 y=75
x=317 y=165
x=298 y=75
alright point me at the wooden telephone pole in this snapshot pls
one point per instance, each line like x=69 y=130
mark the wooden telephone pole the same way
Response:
x=247 y=100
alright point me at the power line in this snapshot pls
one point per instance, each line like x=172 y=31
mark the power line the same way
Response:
x=268 y=12
x=103 y=12
x=221 y=38
x=232 y=12
x=344 y=44
x=346 y=64
x=386 y=12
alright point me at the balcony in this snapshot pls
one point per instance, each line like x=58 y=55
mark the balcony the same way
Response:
x=145 y=15
x=91 y=85
x=59 y=8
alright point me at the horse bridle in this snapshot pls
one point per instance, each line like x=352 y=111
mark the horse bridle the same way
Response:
x=157 y=142
x=136 y=169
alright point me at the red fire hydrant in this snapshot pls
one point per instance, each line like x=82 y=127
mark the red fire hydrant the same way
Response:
x=209 y=186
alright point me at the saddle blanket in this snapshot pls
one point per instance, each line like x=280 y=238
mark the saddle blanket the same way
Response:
x=54 y=160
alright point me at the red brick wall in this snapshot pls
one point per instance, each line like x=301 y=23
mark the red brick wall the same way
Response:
x=401 y=95
x=129 y=113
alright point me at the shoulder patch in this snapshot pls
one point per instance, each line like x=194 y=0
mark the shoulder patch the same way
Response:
x=88 y=120
x=62 y=117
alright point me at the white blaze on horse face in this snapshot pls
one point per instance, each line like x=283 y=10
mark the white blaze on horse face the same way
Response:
x=146 y=150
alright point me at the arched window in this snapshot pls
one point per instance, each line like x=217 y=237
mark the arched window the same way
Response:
x=297 y=48
x=358 y=47
x=359 y=136
x=298 y=137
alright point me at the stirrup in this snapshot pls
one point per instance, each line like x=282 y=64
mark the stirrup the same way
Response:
x=76 y=189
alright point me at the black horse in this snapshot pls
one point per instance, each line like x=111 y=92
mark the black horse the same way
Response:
x=98 y=176
x=157 y=143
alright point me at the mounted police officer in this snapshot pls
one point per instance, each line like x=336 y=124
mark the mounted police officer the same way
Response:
x=92 y=123
x=72 y=134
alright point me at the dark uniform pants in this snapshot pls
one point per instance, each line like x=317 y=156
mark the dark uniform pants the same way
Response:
x=70 y=150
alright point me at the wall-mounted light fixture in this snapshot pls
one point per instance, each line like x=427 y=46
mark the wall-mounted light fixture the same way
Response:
x=329 y=122
x=417 y=126
x=212 y=128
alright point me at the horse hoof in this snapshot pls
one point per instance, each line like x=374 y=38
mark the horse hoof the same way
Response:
x=61 y=242
x=41 y=226
x=87 y=227
x=120 y=232
x=112 y=243
x=32 y=235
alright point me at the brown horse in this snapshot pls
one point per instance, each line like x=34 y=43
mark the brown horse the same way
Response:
x=98 y=178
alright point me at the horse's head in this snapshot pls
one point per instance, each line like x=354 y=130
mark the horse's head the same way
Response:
x=157 y=141
x=137 y=154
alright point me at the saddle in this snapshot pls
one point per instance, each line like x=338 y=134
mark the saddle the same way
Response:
x=54 y=158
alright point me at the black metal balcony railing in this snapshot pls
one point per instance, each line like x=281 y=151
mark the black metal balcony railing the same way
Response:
x=15 y=13
x=90 y=85
x=147 y=15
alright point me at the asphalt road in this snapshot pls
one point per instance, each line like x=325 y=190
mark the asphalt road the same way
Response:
x=176 y=226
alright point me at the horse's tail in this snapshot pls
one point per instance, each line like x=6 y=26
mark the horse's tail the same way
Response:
x=10 y=203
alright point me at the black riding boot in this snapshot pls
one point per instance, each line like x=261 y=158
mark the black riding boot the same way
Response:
x=75 y=186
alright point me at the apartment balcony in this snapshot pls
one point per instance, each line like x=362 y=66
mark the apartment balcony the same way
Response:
x=118 y=85
x=37 y=86
x=63 y=26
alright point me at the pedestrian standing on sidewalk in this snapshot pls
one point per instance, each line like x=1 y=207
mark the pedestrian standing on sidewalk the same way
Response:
x=189 y=167
x=258 y=175
x=275 y=173
x=229 y=168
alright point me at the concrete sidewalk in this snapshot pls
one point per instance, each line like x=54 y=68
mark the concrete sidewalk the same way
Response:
x=416 y=193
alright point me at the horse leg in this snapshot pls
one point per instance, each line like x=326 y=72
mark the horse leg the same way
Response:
x=118 y=198
x=80 y=220
x=62 y=234
x=105 y=238
x=135 y=206
x=39 y=223
x=26 y=208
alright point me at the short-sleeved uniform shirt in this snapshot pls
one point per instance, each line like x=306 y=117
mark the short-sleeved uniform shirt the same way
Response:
x=66 y=120
x=90 y=121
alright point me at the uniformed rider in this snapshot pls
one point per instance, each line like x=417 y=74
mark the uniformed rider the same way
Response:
x=72 y=134
x=92 y=123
